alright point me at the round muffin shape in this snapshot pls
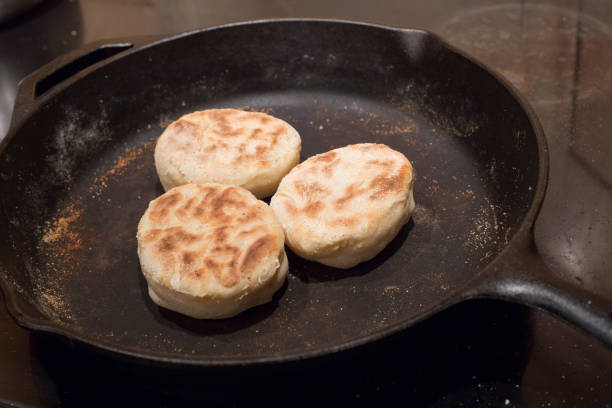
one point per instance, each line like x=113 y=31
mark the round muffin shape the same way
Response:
x=210 y=250
x=343 y=207
x=252 y=150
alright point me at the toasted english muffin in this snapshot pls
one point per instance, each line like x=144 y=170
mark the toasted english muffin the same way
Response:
x=252 y=150
x=210 y=250
x=343 y=207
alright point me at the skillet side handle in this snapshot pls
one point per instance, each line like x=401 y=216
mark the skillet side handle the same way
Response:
x=61 y=69
x=521 y=276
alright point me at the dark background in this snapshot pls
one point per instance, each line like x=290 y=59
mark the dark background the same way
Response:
x=481 y=353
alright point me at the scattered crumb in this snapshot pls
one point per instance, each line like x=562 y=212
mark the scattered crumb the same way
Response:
x=59 y=242
x=118 y=168
x=58 y=228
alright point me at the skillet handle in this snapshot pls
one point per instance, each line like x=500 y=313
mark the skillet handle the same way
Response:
x=521 y=276
x=32 y=89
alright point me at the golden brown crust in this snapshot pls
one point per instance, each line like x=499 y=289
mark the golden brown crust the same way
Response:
x=254 y=254
x=343 y=206
x=324 y=157
x=215 y=125
x=227 y=146
x=389 y=179
x=350 y=192
x=212 y=231
x=346 y=222
x=388 y=183
x=162 y=207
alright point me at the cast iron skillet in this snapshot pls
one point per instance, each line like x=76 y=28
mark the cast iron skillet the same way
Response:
x=76 y=174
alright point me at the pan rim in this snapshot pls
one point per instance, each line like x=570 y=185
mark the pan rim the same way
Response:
x=454 y=296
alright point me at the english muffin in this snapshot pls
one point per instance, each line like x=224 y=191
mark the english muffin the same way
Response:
x=252 y=150
x=210 y=250
x=343 y=207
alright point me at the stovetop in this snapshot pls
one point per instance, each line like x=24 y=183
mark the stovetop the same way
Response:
x=558 y=54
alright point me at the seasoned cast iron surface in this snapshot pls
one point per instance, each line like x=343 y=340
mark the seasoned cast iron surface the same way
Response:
x=72 y=212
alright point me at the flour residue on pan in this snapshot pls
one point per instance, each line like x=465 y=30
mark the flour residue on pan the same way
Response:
x=60 y=240
x=361 y=121
x=65 y=241
x=164 y=121
x=384 y=128
x=7 y=277
x=416 y=101
x=426 y=217
x=75 y=137
x=119 y=167
x=59 y=228
x=488 y=224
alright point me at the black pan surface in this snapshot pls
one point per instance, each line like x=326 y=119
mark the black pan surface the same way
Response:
x=77 y=173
